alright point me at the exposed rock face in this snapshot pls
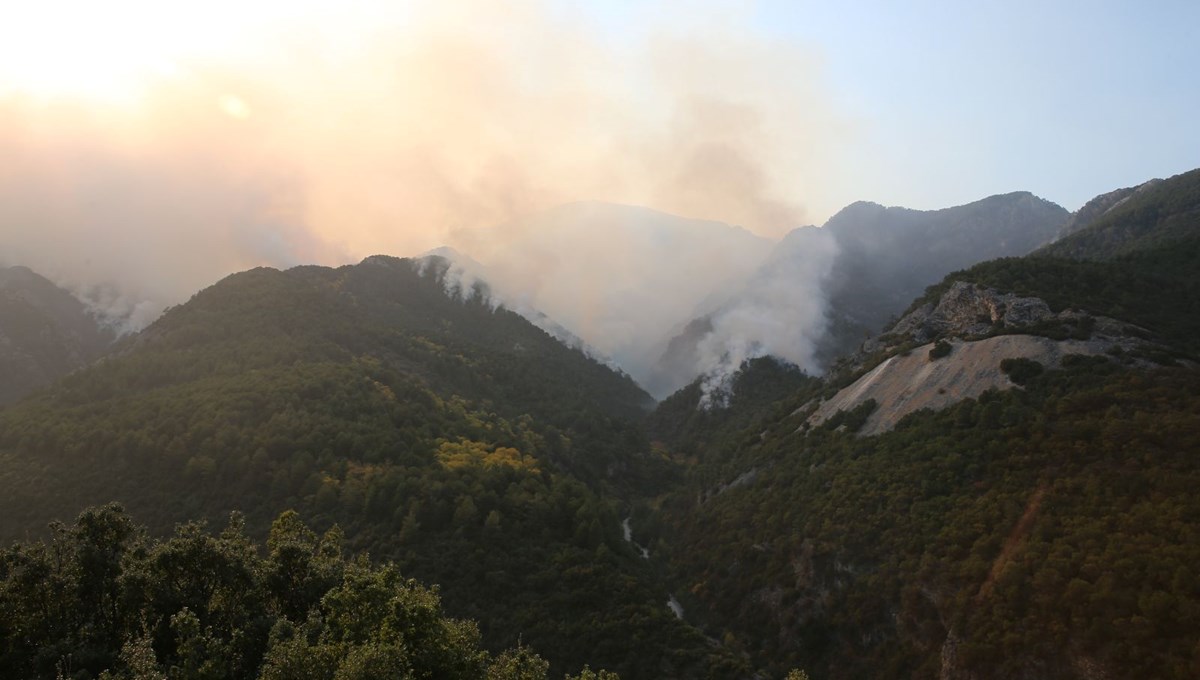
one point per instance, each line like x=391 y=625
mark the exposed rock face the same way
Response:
x=967 y=310
x=887 y=256
x=969 y=316
x=908 y=382
x=952 y=666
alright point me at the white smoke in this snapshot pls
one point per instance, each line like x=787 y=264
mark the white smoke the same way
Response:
x=619 y=277
x=780 y=311
x=335 y=130
x=466 y=279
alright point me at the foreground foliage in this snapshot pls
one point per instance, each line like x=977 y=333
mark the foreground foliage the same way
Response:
x=100 y=599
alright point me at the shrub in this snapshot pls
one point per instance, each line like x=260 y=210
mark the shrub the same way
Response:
x=1021 y=370
x=940 y=349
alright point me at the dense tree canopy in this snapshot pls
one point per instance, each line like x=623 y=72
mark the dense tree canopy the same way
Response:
x=455 y=439
x=101 y=600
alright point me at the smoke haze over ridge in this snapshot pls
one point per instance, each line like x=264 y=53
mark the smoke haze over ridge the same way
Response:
x=319 y=136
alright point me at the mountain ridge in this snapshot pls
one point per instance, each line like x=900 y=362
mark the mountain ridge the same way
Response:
x=45 y=333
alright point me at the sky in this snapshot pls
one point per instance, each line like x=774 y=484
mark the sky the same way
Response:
x=955 y=101
x=148 y=148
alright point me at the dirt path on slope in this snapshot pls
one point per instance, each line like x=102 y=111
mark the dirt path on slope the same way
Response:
x=1016 y=539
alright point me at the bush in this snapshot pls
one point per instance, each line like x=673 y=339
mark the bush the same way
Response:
x=1021 y=370
x=940 y=349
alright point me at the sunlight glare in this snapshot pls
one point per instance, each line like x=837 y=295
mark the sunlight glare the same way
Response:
x=111 y=51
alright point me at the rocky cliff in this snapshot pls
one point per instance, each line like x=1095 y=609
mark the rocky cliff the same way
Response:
x=974 y=329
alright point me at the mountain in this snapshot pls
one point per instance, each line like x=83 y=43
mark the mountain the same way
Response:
x=1001 y=485
x=889 y=255
x=439 y=432
x=45 y=333
x=618 y=277
x=1097 y=207
x=1155 y=214
x=828 y=288
x=465 y=276
x=996 y=487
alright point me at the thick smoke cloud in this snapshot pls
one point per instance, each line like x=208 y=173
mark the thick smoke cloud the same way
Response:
x=339 y=130
x=619 y=277
x=325 y=136
x=137 y=215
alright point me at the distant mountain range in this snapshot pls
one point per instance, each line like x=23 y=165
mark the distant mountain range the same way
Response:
x=666 y=298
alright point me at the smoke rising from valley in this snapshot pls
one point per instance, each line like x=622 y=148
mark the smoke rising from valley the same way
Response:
x=781 y=311
x=325 y=136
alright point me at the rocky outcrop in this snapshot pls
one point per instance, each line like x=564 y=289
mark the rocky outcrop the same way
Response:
x=981 y=328
x=952 y=666
x=969 y=311
x=911 y=381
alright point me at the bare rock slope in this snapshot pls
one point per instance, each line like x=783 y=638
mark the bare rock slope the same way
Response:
x=982 y=327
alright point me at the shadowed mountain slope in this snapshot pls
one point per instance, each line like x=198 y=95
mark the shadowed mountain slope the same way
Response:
x=45 y=333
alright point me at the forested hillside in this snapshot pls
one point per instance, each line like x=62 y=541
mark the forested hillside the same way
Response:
x=1156 y=215
x=456 y=439
x=1044 y=530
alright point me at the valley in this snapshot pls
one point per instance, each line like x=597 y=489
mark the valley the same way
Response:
x=930 y=444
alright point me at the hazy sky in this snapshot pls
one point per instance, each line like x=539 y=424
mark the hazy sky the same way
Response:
x=160 y=145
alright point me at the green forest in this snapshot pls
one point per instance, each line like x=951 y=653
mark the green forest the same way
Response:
x=101 y=599
x=456 y=440
x=412 y=481
x=856 y=557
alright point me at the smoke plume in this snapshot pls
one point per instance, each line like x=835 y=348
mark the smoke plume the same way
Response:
x=779 y=311
x=328 y=133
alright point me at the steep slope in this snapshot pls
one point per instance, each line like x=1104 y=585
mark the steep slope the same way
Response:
x=465 y=276
x=1097 y=207
x=1026 y=533
x=829 y=288
x=1156 y=214
x=939 y=355
x=889 y=255
x=45 y=333
x=1028 y=530
x=456 y=439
